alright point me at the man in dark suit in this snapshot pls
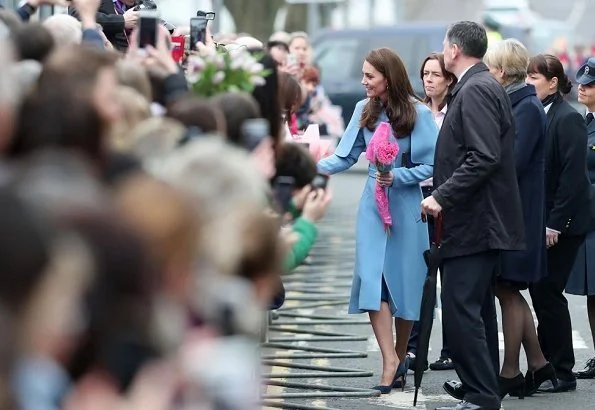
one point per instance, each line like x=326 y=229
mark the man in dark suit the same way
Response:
x=477 y=195
x=118 y=18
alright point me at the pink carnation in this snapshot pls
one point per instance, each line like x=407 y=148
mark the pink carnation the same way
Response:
x=382 y=151
x=386 y=153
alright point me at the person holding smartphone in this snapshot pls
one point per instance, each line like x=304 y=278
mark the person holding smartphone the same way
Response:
x=118 y=18
x=309 y=202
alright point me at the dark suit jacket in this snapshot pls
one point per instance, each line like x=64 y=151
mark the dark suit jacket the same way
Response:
x=112 y=23
x=529 y=266
x=474 y=169
x=567 y=181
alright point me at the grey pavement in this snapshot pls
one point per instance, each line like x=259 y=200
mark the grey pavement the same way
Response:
x=327 y=280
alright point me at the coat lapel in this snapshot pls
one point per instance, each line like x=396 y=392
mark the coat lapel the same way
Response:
x=551 y=114
x=591 y=129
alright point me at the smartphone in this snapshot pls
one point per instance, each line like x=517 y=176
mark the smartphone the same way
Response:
x=283 y=191
x=198 y=31
x=320 y=181
x=292 y=59
x=253 y=132
x=148 y=27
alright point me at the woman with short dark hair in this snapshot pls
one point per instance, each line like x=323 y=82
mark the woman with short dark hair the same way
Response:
x=567 y=218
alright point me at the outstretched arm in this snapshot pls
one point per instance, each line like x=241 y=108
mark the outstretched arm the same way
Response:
x=335 y=163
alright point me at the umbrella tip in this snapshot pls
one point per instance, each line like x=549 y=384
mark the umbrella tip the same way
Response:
x=415 y=397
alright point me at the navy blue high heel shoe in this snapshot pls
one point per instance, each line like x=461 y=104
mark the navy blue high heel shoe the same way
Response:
x=401 y=376
x=387 y=389
x=383 y=389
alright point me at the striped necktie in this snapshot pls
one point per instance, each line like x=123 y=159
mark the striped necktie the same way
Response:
x=589 y=118
x=119 y=7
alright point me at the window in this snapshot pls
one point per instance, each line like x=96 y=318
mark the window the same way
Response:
x=338 y=58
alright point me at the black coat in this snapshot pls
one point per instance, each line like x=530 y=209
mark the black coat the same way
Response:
x=112 y=23
x=582 y=278
x=529 y=266
x=474 y=169
x=567 y=182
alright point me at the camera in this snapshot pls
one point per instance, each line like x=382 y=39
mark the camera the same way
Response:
x=145 y=5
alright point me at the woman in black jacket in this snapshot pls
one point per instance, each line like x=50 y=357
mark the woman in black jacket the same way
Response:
x=567 y=216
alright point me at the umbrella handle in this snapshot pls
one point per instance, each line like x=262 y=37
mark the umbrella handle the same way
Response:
x=438 y=229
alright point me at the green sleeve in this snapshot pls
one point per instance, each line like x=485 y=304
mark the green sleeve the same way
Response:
x=307 y=232
x=295 y=213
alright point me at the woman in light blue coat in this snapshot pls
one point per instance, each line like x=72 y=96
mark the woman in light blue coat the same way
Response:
x=389 y=269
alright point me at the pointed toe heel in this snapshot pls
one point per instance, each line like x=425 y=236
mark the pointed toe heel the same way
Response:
x=400 y=379
x=383 y=389
x=514 y=387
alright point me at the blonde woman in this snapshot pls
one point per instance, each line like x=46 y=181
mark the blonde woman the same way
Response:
x=507 y=61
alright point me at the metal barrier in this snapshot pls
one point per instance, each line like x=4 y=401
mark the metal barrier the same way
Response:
x=292 y=335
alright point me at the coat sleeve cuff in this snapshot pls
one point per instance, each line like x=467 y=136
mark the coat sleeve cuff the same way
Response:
x=438 y=198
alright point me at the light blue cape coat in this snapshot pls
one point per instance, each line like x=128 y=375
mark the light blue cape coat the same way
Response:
x=399 y=258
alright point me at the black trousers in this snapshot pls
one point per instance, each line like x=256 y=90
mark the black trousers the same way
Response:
x=470 y=324
x=551 y=307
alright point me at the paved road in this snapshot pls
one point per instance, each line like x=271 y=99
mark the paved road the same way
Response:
x=328 y=279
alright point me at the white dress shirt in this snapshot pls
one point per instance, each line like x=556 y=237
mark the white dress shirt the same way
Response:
x=464 y=72
x=439 y=118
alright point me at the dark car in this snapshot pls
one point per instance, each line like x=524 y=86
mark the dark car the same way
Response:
x=340 y=55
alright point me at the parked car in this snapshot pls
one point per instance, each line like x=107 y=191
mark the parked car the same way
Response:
x=340 y=55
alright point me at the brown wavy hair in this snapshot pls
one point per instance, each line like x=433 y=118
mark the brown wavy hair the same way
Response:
x=446 y=74
x=400 y=107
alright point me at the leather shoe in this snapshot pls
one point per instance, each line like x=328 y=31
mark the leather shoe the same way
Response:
x=455 y=389
x=588 y=372
x=465 y=405
x=563 y=386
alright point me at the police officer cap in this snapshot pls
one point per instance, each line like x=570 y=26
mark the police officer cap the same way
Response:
x=586 y=74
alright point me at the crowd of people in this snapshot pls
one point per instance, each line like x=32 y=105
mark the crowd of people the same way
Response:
x=147 y=231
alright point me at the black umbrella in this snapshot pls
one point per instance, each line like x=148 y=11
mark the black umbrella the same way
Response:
x=428 y=303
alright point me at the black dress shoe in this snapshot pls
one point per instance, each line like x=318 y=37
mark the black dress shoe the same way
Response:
x=588 y=372
x=465 y=405
x=563 y=386
x=444 y=363
x=455 y=389
x=412 y=360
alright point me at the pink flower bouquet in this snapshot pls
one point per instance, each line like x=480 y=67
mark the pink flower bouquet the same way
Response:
x=382 y=151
